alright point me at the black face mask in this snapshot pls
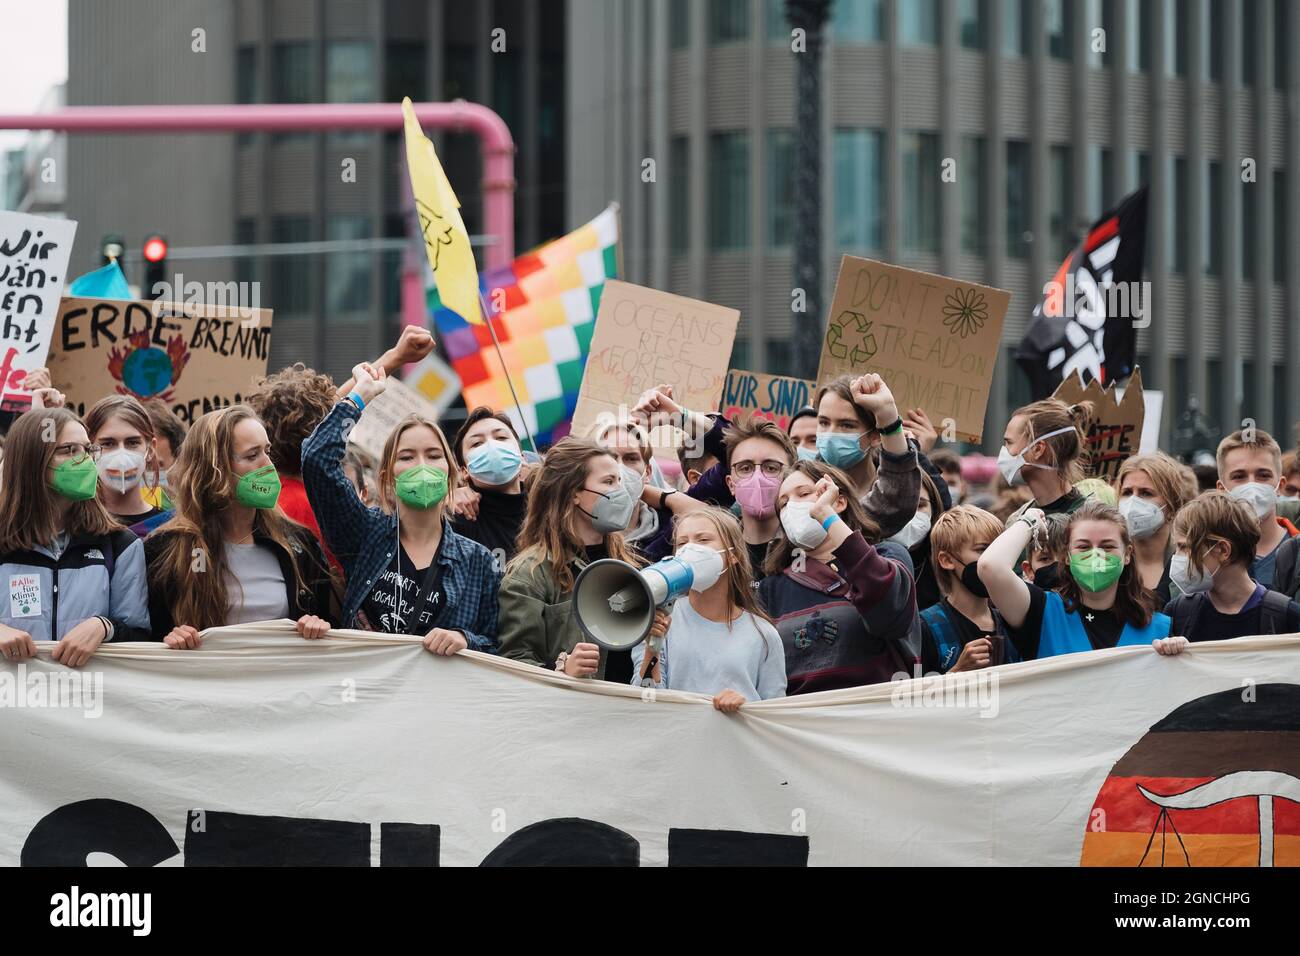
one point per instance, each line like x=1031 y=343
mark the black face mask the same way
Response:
x=970 y=580
x=1048 y=577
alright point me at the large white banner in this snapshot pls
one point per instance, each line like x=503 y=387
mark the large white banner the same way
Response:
x=263 y=748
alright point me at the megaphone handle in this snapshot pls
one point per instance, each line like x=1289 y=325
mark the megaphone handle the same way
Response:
x=656 y=645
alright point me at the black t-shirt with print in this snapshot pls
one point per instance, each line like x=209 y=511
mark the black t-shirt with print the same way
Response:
x=418 y=591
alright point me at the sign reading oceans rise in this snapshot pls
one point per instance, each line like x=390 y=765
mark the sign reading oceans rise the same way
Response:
x=645 y=338
x=279 y=757
x=934 y=340
x=33 y=267
x=196 y=358
x=774 y=397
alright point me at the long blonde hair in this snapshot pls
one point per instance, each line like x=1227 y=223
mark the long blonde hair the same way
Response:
x=386 y=480
x=550 y=531
x=740 y=576
x=203 y=487
x=29 y=508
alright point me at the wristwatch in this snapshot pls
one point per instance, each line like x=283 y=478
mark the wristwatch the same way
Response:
x=560 y=661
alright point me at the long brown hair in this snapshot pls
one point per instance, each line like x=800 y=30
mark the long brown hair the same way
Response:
x=29 y=506
x=550 y=530
x=130 y=410
x=740 y=576
x=780 y=556
x=386 y=480
x=192 y=564
x=1133 y=602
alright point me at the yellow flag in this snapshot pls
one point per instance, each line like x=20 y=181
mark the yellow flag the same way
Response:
x=438 y=209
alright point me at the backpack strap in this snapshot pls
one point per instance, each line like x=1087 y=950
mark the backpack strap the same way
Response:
x=1273 y=613
x=1285 y=578
x=1186 y=612
x=945 y=638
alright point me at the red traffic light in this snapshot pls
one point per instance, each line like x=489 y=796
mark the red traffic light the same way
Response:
x=155 y=249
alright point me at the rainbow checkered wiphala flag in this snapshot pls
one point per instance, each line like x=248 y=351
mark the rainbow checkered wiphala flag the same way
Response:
x=544 y=310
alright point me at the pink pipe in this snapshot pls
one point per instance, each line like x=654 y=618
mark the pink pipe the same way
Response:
x=497 y=145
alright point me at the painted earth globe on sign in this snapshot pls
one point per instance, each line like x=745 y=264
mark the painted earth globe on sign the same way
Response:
x=146 y=371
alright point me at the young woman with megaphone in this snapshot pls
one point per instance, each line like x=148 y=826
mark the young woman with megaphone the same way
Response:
x=578 y=506
x=720 y=641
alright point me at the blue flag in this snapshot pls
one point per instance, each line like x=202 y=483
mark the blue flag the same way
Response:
x=107 y=282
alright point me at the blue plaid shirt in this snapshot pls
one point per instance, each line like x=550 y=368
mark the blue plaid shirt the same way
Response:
x=365 y=539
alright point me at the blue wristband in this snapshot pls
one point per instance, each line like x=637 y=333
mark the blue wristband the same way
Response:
x=826 y=525
x=361 y=405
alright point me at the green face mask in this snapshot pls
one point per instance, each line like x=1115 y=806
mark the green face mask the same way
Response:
x=259 y=489
x=422 y=487
x=1096 y=570
x=76 y=480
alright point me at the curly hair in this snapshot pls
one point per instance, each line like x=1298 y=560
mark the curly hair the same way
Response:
x=291 y=403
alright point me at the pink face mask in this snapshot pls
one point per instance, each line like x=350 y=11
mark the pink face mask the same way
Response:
x=757 y=494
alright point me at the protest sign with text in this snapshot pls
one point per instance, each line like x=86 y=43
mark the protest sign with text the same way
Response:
x=934 y=340
x=33 y=267
x=1116 y=429
x=196 y=358
x=774 y=397
x=384 y=411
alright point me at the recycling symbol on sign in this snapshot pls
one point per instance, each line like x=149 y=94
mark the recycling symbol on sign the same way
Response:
x=849 y=336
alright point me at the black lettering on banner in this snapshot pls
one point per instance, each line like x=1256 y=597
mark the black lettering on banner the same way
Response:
x=569 y=841
x=735 y=848
x=241 y=839
x=66 y=836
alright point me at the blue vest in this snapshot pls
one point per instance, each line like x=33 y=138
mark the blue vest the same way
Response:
x=1063 y=633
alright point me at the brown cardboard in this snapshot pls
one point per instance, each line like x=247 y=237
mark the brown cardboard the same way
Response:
x=774 y=397
x=196 y=358
x=1116 y=431
x=384 y=411
x=934 y=340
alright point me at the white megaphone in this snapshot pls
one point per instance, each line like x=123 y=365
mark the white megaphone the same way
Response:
x=615 y=602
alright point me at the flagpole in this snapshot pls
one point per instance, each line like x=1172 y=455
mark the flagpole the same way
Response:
x=523 y=420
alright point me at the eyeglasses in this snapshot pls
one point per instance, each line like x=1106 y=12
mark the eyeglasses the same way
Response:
x=743 y=469
x=76 y=450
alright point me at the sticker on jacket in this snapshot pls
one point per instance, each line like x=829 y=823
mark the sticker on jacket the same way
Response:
x=24 y=595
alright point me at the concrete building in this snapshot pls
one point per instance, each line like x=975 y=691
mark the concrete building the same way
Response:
x=1053 y=109
x=222 y=189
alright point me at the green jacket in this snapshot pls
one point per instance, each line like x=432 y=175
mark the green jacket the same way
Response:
x=535 y=622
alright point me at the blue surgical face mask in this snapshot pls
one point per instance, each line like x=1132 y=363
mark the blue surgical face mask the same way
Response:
x=494 y=463
x=806 y=454
x=841 y=449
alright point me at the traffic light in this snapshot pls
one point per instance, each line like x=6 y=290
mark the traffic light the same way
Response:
x=112 y=247
x=155 y=265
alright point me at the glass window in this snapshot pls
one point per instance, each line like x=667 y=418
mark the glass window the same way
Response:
x=859 y=189
x=1061 y=200
x=247 y=87
x=1056 y=23
x=292 y=69
x=1100 y=183
x=1019 y=222
x=858 y=21
x=970 y=23
x=1015 y=27
x=1249 y=30
x=347 y=274
x=918 y=22
x=1146 y=34
x=974 y=205
x=291 y=275
x=1285 y=22
x=777 y=26
x=679 y=194
x=679 y=25
x=728 y=20
x=459 y=73
x=406 y=71
x=920 y=166
x=1281 y=235
x=1177 y=26
x=1178 y=217
x=1132 y=16
x=728 y=190
x=246 y=266
x=1214 y=217
x=780 y=187
x=1214 y=39
x=349 y=78
x=1249 y=192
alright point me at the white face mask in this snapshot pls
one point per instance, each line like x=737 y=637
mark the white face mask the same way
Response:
x=634 y=482
x=706 y=565
x=1144 y=519
x=1180 y=573
x=128 y=467
x=1011 y=465
x=800 y=526
x=954 y=492
x=1261 y=497
x=914 y=531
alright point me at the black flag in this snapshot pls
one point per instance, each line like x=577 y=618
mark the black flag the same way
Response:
x=1086 y=318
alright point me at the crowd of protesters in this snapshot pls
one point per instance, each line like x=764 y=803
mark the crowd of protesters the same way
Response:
x=845 y=549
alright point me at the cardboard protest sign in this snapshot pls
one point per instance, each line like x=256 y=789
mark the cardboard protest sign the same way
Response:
x=1116 y=430
x=644 y=338
x=196 y=358
x=934 y=340
x=33 y=267
x=774 y=397
x=384 y=411
x=1155 y=407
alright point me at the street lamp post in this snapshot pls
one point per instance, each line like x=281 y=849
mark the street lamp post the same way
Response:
x=810 y=16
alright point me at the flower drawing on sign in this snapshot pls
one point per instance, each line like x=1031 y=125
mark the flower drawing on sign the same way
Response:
x=849 y=336
x=146 y=371
x=965 y=312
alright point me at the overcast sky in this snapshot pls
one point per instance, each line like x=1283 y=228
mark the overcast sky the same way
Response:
x=34 y=51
